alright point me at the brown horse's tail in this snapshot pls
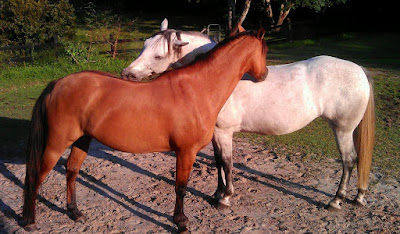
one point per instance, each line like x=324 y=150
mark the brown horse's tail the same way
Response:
x=36 y=145
x=364 y=140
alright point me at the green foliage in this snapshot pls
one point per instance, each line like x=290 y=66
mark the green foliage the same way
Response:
x=35 y=21
x=317 y=6
x=78 y=52
x=92 y=15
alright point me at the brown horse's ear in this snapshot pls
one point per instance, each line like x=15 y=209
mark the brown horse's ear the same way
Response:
x=261 y=33
x=241 y=29
x=235 y=30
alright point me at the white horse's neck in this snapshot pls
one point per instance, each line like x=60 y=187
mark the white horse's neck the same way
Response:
x=198 y=44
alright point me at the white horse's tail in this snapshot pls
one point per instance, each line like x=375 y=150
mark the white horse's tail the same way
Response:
x=364 y=140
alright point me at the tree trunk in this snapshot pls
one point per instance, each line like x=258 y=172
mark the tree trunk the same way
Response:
x=242 y=17
x=231 y=13
x=244 y=13
x=283 y=14
x=270 y=15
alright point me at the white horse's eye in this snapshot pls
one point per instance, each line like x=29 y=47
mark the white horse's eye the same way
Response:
x=158 y=57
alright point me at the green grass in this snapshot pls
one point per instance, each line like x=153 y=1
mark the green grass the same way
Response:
x=21 y=84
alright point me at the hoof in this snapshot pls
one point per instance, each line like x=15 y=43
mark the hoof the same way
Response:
x=359 y=203
x=31 y=227
x=80 y=219
x=183 y=230
x=181 y=222
x=333 y=207
x=182 y=227
x=76 y=215
x=224 y=204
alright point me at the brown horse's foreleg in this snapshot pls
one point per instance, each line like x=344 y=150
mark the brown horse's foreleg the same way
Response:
x=347 y=150
x=78 y=154
x=184 y=163
x=50 y=158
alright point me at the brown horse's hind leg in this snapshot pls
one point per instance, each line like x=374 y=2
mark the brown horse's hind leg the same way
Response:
x=78 y=154
x=50 y=158
x=184 y=163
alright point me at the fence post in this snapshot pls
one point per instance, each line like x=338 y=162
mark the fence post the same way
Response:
x=289 y=22
x=112 y=44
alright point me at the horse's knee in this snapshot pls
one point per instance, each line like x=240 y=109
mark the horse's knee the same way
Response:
x=71 y=172
x=180 y=190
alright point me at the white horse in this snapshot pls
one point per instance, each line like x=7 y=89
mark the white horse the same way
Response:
x=290 y=98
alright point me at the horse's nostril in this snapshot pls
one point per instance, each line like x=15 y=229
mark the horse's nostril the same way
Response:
x=123 y=74
x=127 y=76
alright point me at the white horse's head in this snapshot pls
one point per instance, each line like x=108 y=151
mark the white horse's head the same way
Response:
x=167 y=48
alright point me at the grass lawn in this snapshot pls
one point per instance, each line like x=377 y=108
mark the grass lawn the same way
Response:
x=21 y=84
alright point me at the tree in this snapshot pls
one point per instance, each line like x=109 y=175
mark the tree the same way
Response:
x=285 y=6
x=35 y=21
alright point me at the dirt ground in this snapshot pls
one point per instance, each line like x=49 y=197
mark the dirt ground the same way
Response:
x=127 y=193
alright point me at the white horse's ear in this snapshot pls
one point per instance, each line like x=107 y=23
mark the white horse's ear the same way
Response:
x=164 y=25
x=179 y=43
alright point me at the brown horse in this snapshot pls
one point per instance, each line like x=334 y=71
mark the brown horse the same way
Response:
x=178 y=112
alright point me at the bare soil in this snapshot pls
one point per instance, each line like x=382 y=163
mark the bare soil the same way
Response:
x=134 y=193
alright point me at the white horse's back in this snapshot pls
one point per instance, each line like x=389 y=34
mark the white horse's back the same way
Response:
x=295 y=94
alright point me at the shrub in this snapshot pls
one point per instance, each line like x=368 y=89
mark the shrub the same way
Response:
x=35 y=21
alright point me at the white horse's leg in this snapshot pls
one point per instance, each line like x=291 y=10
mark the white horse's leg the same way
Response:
x=347 y=150
x=218 y=160
x=222 y=142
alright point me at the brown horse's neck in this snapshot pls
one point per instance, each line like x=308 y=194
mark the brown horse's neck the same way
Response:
x=213 y=81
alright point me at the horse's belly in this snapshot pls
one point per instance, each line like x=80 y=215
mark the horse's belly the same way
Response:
x=272 y=126
x=130 y=134
x=134 y=143
x=277 y=121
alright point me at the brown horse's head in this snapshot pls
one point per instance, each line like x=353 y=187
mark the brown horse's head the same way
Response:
x=259 y=69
